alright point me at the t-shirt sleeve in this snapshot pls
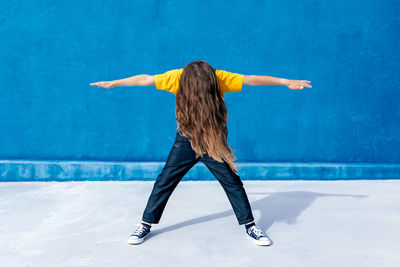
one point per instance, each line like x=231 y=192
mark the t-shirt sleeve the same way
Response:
x=168 y=81
x=229 y=82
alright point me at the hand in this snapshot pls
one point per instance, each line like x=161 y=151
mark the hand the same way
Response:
x=298 y=84
x=104 y=84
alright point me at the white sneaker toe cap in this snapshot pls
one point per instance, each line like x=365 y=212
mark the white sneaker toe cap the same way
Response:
x=133 y=240
x=263 y=241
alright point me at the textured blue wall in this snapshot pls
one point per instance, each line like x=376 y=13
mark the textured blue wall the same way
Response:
x=51 y=51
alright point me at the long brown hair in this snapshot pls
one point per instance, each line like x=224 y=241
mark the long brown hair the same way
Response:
x=201 y=113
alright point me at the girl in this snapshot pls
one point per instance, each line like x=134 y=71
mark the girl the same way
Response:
x=202 y=118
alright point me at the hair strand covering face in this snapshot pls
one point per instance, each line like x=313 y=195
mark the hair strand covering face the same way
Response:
x=201 y=113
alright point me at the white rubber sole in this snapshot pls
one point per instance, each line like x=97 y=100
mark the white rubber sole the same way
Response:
x=260 y=242
x=132 y=241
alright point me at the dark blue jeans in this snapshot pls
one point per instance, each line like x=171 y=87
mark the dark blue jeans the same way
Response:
x=180 y=160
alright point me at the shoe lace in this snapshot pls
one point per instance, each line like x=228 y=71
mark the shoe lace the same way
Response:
x=140 y=231
x=257 y=231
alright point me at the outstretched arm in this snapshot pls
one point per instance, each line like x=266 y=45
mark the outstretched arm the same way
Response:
x=269 y=80
x=137 y=80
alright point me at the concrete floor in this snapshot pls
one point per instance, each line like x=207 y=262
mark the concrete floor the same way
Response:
x=312 y=223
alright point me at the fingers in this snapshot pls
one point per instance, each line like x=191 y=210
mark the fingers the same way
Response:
x=99 y=84
x=305 y=83
x=299 y=84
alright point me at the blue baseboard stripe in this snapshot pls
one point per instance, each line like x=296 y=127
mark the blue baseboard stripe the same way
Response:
x=30 y=170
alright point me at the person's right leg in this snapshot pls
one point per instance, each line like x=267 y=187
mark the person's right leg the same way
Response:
x=180 y=160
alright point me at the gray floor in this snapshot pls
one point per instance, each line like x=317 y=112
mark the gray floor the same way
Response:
x=312 y=223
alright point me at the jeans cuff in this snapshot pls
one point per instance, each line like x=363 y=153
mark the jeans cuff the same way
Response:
x=246 y=221
x=150 y=220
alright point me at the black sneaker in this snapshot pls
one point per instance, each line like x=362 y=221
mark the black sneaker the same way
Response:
x=255 y=234
x=138 y=235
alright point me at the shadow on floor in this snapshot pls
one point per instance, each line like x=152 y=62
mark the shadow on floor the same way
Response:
x=275 y=207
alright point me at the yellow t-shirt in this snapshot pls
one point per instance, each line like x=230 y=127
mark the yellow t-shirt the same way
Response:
x=228 y=81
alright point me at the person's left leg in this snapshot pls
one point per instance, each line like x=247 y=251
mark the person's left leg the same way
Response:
x=237 y=196
x=233 y=188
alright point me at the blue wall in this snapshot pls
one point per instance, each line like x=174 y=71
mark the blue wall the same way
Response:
x=51 y=51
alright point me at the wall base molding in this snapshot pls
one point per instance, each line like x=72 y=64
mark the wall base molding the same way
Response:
x=29 y=170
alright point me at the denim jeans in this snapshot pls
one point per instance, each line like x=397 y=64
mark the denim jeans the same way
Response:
x=180 y=160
